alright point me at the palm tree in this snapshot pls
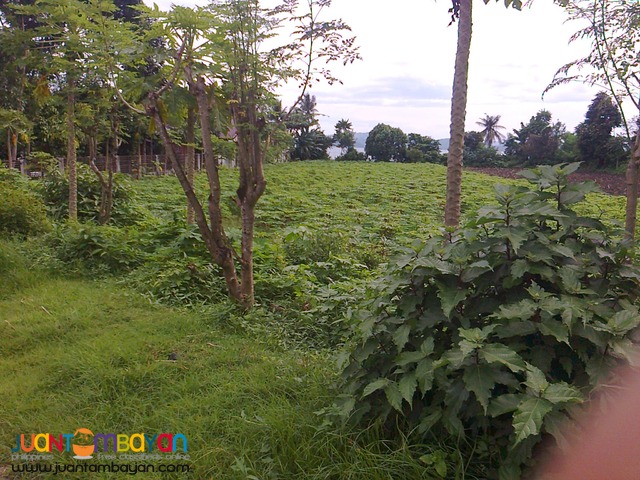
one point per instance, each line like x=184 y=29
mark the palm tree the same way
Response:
x=490 y=129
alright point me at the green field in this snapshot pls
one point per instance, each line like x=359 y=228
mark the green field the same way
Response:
x=95 y=331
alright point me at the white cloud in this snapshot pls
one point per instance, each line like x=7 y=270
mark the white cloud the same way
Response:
x=408 y=54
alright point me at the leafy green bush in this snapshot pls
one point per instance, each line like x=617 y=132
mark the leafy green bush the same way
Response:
x=13 y=178
x=492 y=332
x=96 y=249
x=352 y=155
x=55 y=193
x=180 y=280
x=22 y=213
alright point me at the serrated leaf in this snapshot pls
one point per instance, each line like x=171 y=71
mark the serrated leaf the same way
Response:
x=450 y=297
x=625 y=348
x=498 y=353
x=424 y=375
x=393 y=396
x=401 y=335
x=560 y=393
x=522 y=310
x=503 y=404
x=467 y=347
x=555 y=329
x=570 y=279
x=455 y=357
x=527 y=420
x=480 y=379
x=427 y=346
x=536 y=379
x=375 y=385
x=516 y=237
x=476 y=335
x=519 y=268
x=474 y=270
x=623 y=321
x=409 y=357
x=407 y=387
x=562 y=250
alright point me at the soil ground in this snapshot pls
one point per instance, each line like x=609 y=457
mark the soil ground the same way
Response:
x=611 y=183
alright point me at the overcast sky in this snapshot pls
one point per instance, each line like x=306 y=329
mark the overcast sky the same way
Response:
x=408 y=51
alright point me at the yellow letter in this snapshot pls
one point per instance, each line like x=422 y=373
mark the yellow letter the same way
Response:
x=123 y=443
x=46 y=442
x=140 y=438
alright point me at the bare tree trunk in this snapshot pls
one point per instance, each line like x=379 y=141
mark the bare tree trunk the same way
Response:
x=214 y=236
x=139 y=170
x=190 y=159
x=632 y=190
x=458 y=114
x=9 y=150
x=14 y=149
x=252 y=184
x=71 y=151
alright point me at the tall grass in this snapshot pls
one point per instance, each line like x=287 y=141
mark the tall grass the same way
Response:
x=79 y=354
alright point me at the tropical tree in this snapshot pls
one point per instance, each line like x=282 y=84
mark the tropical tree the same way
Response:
x=220 y=51
x=477 y=153
x=310 y=142
x=537 y=142
x=491 y=129
x=16 y=125
x=594 y=134
x=386 y=143
x=422 y=148
x=344 y=136
x=460 y=11
x=613 y=27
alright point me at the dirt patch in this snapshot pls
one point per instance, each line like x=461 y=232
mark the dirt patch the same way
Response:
x=611 y=183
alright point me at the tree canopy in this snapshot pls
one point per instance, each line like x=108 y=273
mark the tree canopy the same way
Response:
x=386 y=143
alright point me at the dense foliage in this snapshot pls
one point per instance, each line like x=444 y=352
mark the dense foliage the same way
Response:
x=492 y=332
x=55 y=193
x=22 y=213
x=386 y=143
x=537 y=142
x=597 y=147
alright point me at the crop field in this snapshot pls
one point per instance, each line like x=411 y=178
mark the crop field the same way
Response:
x=128 y=329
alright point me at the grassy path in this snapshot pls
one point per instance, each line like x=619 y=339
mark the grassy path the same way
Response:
x=75 y=354
x=80 y=354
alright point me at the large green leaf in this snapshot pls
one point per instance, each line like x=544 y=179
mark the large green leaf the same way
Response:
x=474 y=270
x=409 y=357
x=393 y=396
x=554 y=328
x=375 y=385
x=407 y=386
x=528 y=417
x=536 y=380
x=498 y=353
x=424 y=375
x=623 y=321
x=401 y=335
x=450 y=297
x=480 y=379
x=561 y=393
x=504 y=404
